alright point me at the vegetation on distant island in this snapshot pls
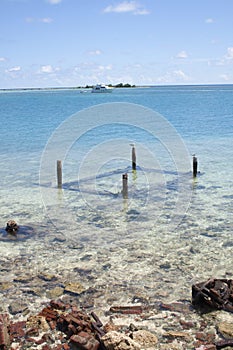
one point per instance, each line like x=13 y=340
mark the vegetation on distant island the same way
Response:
x=120 y=85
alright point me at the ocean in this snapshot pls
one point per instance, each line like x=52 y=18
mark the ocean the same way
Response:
x=167 y=232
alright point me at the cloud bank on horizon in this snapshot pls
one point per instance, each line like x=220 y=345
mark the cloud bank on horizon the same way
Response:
x=59 y=43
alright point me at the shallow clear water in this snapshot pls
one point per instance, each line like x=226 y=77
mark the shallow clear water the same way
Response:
x=172 y=230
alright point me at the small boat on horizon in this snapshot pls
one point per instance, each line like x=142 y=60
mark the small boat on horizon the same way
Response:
x=100 y=88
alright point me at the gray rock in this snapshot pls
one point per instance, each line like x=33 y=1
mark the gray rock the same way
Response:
x=17 y=307
x=117 y=341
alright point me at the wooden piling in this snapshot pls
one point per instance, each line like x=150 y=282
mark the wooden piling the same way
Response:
x=59 y=174
x=134 y=164
x=125 y=186
x=194 y=166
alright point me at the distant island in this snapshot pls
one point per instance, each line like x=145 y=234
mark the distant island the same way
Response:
x=120 y=85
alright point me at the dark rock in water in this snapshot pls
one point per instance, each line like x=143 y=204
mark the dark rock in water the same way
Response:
x=133 y=212
x=12 y=227
x=214 y=294
x=106 y=267
x=22 y=233
x=165 y=266
x=227 y=244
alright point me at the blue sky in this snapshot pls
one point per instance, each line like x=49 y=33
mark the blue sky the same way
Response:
x=62 y=43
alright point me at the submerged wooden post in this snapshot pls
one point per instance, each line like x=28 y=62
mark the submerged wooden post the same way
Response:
x=134 y=164
x=125 y=186
x=59 y=174
x=194 y=166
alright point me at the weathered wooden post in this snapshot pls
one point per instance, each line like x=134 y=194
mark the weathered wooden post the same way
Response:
x=134 y=164
x=59 y=174
x=125 y=186
x=194 y=166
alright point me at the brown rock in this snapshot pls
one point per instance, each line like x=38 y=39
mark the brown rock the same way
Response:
x=66 y=347
x=46 y=347
x=17 y=330
x=175 y=335
x=74 y=288
x=55 y=292
x=49 y=314
x=226 y=330
x=12 y=226
x=58 y=305
x=205 y=337
x=4 y=335
x=129 y=309
x=176 y=307
x=110 y=326
x=39 y=322
x=187 y=324
x=47 y=277
x=85 y=341
x=144 y=338
x=6 y=285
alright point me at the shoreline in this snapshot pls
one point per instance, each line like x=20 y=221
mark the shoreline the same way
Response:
x=115 y=87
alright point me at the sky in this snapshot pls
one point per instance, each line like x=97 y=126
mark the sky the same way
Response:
x=70 y=43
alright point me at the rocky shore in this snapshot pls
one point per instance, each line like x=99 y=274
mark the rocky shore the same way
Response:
x=71 y=322
x=61 y=296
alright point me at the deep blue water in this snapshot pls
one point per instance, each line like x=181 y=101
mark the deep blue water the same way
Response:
x=29 y=117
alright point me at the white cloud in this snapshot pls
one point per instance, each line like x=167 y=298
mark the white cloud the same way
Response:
x=127 y=6
x=48 y=69
x=104 y=68
x=180 y=74
x=46 y=20
x=209 y=20
x=43 y=20
x=14 y=69
x=2 y=59
x=173 y=77
x=95 y=52
x=54 y=2
x=182 y=54
x=229 y=55
x=225 y=77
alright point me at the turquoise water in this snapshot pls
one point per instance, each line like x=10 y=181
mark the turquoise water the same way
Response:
x=172 y=228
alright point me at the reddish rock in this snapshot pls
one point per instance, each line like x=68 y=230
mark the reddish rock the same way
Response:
x=66 y=347
x=40 y=341
x=17 y=330
x=131 y=309
x=110 y=326
x=85 y=341
x=205 y=337
x=72 y=329
x=52 y=325
x=187 y=324
x=46 y=347
x=176 y=307
x=58 y=305
x=49 y=314
x=32 y=332
x=31 y=340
